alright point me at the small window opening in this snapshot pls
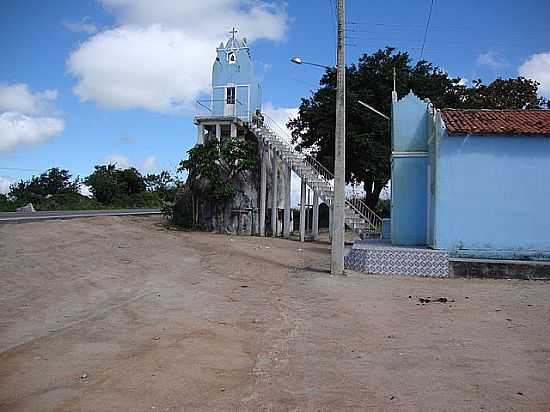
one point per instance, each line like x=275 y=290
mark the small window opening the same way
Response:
x=230 y=99
x=231 y=57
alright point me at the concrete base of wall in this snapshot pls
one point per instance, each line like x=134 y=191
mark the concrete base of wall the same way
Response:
x=499 y=269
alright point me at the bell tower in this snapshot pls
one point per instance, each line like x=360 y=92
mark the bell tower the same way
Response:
x=235 y=95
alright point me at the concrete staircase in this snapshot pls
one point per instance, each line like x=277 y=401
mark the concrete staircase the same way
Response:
x=358 y=216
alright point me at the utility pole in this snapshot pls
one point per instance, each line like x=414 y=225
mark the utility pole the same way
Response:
x=337 y=246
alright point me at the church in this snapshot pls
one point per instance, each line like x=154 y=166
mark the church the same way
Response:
x=466 y=184
x=469 y=196
x=262 y=204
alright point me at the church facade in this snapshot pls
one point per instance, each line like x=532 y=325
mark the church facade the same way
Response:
x=471 y=182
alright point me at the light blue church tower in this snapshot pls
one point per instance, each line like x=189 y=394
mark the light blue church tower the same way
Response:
x=235 y=96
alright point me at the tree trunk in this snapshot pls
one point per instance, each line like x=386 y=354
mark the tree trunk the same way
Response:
x=372 y=193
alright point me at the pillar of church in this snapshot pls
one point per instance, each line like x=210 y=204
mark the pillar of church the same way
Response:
x=315 y=223
x=200 y=134
x=288 y=211
x=330 y=221
x=263 y=187
x=233 y=130
x=219 y=132
x=275 y=170
x=303 y=211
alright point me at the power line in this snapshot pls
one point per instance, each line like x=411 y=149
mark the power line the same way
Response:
x=19 y=170
x=426 y=31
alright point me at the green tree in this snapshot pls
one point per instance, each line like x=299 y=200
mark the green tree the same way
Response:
x=519 y=93
x=110 y=185
x=212 y=170
x=212 y=166
x=163 y=184
x=54 y=181
x=368 y=140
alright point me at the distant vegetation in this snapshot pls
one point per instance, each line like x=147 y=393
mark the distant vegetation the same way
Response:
x=55 y=189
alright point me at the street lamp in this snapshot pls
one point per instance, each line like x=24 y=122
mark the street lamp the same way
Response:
x=373 y=109
x=298 y=60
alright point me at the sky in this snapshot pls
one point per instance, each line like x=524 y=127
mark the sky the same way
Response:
x=99 y=81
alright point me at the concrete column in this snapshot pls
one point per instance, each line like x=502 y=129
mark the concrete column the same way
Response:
x=219 y=132
x=200 y=134
x=303 y=211
x=308 y=223
x=233 y=130
x=275 y=170
x=263 y=188
x=288 y=211
x=330 y=219
x=315 y=223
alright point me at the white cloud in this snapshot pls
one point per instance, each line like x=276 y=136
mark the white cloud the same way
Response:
x=82 y=26
x=492 y=60
x=85 y=190
x=19 y=129
x=26 y=117
x=18 y=98
x=120 y=161
x=537 y=67
x=205 y=19
x=280 y=115
x=149 y=164
x=5 y=183
x=162 y=68
x=160 y=56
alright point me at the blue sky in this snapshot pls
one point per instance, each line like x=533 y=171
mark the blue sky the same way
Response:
x=85 y=82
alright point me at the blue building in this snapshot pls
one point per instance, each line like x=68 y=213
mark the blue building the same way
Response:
x=475 y=183
x=236 y=93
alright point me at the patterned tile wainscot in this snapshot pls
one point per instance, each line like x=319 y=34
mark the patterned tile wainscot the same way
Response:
x=384 y=259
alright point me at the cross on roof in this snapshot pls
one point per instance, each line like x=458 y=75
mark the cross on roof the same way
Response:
x=233 y=33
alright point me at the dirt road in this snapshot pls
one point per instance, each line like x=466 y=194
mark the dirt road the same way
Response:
x=121 y=314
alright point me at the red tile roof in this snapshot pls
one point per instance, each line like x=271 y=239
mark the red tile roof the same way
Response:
x=501 y=122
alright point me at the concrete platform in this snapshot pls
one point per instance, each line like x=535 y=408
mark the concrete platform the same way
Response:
x=377 y=256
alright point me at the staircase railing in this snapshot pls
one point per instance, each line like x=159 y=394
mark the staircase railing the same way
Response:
x=282 y=136
x=374 y=221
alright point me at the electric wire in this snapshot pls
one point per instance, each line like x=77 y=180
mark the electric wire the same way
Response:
x=426 y=31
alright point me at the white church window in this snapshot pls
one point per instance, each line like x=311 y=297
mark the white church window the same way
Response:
x=231 y=58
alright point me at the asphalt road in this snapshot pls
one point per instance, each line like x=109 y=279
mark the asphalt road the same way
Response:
x=12 y=217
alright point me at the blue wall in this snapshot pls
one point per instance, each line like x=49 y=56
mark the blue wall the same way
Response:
x=493 y=196
x=409 y=171
x=240 y=75
x=408 y=201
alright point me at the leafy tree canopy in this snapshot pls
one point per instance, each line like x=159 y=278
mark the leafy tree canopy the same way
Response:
x=213 y=165
x=368 y=140
x=163 y=184
x=109 y=184
x=52 y=182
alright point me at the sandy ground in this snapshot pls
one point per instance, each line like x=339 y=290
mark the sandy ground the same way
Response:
x=121 y=314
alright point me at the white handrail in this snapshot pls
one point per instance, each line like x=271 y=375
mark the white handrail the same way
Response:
x=283 y=138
